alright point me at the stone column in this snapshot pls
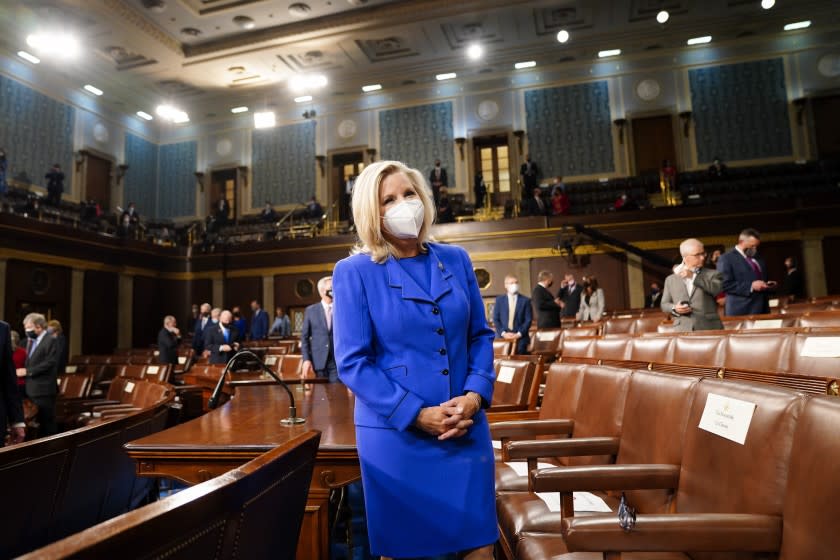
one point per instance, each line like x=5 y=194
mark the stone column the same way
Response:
x=813 y=265
x=125 y=310
x=77 y=308
x=635 y=281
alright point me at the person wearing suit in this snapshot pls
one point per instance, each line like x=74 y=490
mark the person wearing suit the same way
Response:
x=41 y=371
x=745 y=277
x=437 y=178
x=316 y=337
x=222 y=339
x=570 y=292
x=592 y=302
x=259 y=322
x=413 y=345
x=528 y=172
x=545 y=304
x=513 y=325
x=281 y=326
x=654 y=296
x=11 y=407
x=793 y=286
x=198 y=329
x=689 y=294
x=536 y=205
x=167 y=341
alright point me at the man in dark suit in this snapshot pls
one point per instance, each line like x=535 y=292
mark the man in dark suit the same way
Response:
x=512 y=315
x=528 y=172
x=259 y=322
x=570 y=292
x=545 y=304
x=793 y=286
x=437 y=179
x=41 y=371
x=316 y=337
x=536 y=205
x=201 y=324
x=222 y=339
x=167 y=340
x=11 y=409
x=745 y=277
x=654 y=296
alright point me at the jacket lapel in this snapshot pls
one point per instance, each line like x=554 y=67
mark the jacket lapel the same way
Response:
x=438 y=286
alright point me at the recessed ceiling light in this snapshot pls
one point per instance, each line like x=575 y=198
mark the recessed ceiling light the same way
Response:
x=303 y=99
x=59 y=44
x=797 y=25
x=521 y=65
x=144 y=115
x=173 y=114
x=700 y=40
x=447 y=76
x=610 y=52
x=767 y=4
x=663 y=16
x=181 y=117
x=265 y=119
x=371 y=87
x=93 y=89
x=30 y=57
x=562 y=36
x=244 y=22
x=236 y=110
x=474 y=52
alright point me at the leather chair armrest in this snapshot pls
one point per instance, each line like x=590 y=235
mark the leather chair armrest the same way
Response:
x=711 y=532
x=120 y=406
x=118 y=412
x=606 y=477
x=527 y=429
x=573 y=447
x=519 y=415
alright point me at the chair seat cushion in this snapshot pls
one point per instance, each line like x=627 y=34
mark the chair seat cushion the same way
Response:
x=550 y=546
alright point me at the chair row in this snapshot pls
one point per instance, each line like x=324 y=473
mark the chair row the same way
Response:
x=771 y=490
x=125 y=396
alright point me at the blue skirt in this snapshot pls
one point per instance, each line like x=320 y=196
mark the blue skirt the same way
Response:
x=425 y=497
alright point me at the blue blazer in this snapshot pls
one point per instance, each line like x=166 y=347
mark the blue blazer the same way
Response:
x=399 y=348
x=738 y=277
x=259 y=325
x=522 y=317
x=316 y=341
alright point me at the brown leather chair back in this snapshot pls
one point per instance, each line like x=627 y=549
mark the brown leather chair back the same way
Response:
x=115 y=389
x=731 y=324
x=820 y=319
x=757 y=351
x=578 y=347
x=291 y=366
x=648 y=323
x=157 y=372
x=652 y=349
x=701 y=350
x=546 y=341
x=584 y=330
x=618 y=326
x=770 y=321
x=75 y=385
x=514 y=381
x=810 y=520
x=132 y=371
x=274 y=350
x=807 y=365
x=562 y=391
x=721 y=476
x=502 y=347
x=611 y=348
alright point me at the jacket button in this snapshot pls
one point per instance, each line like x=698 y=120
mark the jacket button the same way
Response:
x=442 y=351
x=440 y=330
x=435 y=310
x=445 y=372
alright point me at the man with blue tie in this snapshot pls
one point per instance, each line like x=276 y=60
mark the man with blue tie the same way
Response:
x=259 y=322
x=512 y=315
x=316 y=337
x=222 y=339
x=745 y=277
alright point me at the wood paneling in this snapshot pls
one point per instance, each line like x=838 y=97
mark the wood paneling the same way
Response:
x=240 y=291
x=148 y=312
x=34 y=287
x=99 y=320
x=653 y=141
x=826 y=112
x=98 y=181
x=285 y=291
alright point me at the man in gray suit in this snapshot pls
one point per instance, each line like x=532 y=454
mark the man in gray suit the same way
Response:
x=689 y=293
x=41 y=371
x=316 y=340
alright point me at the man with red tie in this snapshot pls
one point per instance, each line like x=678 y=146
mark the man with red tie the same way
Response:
x=745 y=277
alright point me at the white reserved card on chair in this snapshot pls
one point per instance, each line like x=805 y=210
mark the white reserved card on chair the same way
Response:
x=546 y=336
x=821 y=347
x=584 y=501
x=506 y=374
x=768 y=324
x=727 y=417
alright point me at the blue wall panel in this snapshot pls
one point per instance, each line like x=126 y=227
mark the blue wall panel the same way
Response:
x=283 y=164
x=418 y=135
x=176 y=179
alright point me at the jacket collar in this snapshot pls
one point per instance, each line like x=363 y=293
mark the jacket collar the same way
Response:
x=438 y=287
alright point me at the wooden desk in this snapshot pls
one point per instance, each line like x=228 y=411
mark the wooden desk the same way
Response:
x=249 y=425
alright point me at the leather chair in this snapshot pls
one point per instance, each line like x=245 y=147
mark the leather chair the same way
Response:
x=820 y=319
x=797 y=363
x=502 y=347
x=652 y=349
x=582 y=347
x=592 y=329
x=618 y=326
x=756 y=351
x=613 y=349
x=729 y=497
x=648 y=323
x=517 y=384
x=702 y=350
x=74 y=386
x=547 y=343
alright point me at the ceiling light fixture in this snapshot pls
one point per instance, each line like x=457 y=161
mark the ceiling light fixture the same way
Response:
x=562 y=36
x=798 y=25
x=29 y=57
x=306 y=82
x=608 y=53
x=528 y=64
x=144 y=115
x=173 y=114
x=236 y=110
x=93 y=89
x=663 y=16
x=447 y=76
x=767 y=4
x=63 y=45
x=474 y=52
x=371 y=87
x=700 y=40
x=265 y=119
x=303 y=99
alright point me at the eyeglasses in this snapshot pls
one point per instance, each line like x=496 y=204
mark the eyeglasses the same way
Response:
x=703 y=254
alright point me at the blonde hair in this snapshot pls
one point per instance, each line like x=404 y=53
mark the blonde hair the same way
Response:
x=366 y=209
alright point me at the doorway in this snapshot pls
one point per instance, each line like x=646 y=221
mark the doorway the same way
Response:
x=491 y=158
x=224 y=184
x=344 y=168
x=653 y=142
x=827 y=125
x=98 y=181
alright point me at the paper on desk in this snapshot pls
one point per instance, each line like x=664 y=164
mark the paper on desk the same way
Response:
x=521 y=468
x=506 y=374
x=584 y=501
x=767 y=324
x=821 y=347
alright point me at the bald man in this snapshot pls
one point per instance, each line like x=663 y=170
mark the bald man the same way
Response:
x=222 y=339
x=689 y=294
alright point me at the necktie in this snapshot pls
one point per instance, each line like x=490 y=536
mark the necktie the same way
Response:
x=511 y=310
x=755 y=267
x=227 y=335
x=29 y=347
x=329 y=317
x=540 y=204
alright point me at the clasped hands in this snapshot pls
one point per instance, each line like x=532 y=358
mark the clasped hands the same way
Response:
x=451 y=419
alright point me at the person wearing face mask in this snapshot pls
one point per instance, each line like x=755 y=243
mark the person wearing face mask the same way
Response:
x=316 y=336
x=413 y=345
x=745 y=277
x=167 y=340
x=547 y=306
x=512 y=315
x=222 y=339
x=654 y=296
x=41 y=371
x=201 y=323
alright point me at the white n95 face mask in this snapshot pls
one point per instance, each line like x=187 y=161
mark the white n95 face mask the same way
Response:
x=513 y=289
x=405 y=219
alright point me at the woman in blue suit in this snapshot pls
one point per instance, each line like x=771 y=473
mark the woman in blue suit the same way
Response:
x=412 y=343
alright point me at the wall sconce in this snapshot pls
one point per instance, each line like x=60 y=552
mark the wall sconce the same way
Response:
x=800 y=104
x=121 y=170
x=686 y=122
x=461 y=142
x=519 y=134
x=320 y=160
x=620 y=124
x=79 y=159
x=199 y=178
x=371 y=152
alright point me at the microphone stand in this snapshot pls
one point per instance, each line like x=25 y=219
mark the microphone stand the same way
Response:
x=214 y=398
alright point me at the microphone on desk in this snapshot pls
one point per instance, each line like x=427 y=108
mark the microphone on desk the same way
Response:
x=217 y=391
